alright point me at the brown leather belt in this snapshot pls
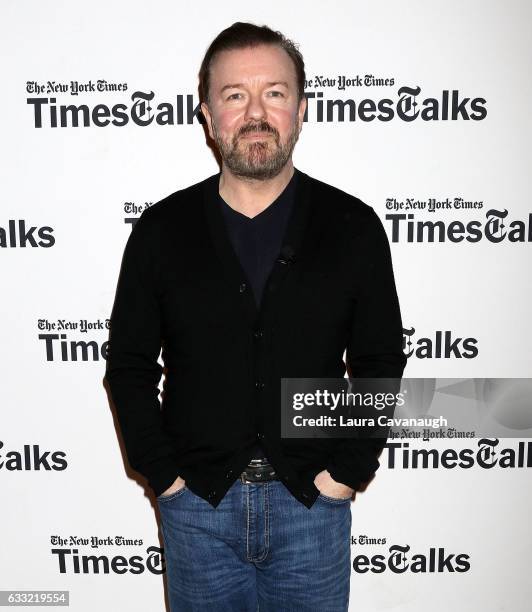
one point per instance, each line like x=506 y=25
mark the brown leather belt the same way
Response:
x=258 y=470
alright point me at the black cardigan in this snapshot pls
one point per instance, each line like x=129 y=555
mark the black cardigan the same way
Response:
x=182 y=288
x=257 y=242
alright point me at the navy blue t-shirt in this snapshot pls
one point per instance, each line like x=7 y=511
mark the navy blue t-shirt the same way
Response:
x=257 y=243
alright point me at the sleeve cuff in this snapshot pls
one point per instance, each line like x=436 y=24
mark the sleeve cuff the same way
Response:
x=161 y=475
x=354 y=464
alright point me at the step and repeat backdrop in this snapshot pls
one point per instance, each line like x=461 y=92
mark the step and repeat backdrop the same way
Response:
x=422 y=110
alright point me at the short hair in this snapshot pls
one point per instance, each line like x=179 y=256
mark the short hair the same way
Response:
x=241 y=35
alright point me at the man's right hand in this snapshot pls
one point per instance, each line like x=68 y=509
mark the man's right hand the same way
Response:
x=177 y=484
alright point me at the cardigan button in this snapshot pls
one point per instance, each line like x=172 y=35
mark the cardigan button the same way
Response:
x=229 y=474
x=259 y=385
x=242 y=287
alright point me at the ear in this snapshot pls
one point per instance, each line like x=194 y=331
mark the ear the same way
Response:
x=206 y=113
x=301 y=112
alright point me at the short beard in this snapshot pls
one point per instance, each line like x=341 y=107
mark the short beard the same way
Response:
x=256 y=161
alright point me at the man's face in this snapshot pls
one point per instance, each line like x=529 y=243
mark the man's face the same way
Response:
x=254 y=115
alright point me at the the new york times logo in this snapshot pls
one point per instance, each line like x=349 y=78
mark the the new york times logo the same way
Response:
x=71 y=562
x=31 y=458
x=495 y=228
x=486 y=456
x=399 y=559
x=442 y=345
x=56 y=338
x=144 y=111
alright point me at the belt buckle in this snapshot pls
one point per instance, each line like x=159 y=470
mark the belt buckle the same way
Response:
x=258 y=478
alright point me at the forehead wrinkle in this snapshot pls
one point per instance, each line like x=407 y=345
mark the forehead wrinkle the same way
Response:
x=242 y=85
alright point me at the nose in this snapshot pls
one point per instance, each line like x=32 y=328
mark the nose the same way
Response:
x=255 y=108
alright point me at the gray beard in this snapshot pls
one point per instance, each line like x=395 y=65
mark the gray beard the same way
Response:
x=256 y=159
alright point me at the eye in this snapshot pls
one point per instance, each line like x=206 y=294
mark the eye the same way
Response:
x=277 y=92
x=235 y=94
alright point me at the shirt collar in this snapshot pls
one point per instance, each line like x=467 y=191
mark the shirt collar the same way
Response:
x=282 y=204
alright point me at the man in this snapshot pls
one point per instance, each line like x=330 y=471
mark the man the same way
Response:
x=257 y=273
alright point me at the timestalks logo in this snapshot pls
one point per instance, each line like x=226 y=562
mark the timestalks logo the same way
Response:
x=71 y=562
x=448 y=107
x=31 y=458
x=442 y=345
x=496 y=228
x=16 y=234
x=486 y=456
x=399 y=560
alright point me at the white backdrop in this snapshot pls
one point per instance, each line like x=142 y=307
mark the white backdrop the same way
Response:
x=61 y=467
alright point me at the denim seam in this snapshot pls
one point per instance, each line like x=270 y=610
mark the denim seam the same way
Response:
x=166 y=498
x=248 y=556
x=329 y=499
x=266 y=524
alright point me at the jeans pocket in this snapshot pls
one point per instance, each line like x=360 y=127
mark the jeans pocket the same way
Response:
x=167 y=498
x=334 y=500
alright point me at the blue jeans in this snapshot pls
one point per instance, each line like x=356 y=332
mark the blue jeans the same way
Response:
x=260 y=549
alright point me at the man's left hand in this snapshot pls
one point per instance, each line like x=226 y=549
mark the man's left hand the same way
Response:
x=328 y=486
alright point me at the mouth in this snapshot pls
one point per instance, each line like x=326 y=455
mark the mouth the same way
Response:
x=256 y=135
